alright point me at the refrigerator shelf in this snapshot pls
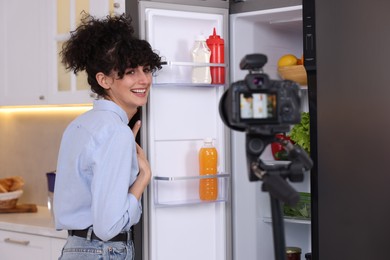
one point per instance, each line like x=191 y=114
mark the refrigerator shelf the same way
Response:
x=290 y=220
x=181 y=72
x=187 y=85
x=184 y=190
x=193 y=64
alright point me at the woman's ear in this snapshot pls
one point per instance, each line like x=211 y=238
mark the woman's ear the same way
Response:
x=103 y=80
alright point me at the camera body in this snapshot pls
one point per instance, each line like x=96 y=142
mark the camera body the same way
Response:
x=258 y=104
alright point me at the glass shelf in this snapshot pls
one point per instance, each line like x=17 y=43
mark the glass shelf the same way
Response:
x=192 y=64
x=187 y=85
x=290 y=220
x=184 y=190
x=180 y=72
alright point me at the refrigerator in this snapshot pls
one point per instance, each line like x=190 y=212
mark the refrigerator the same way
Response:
x=349 y=93
x=180 y=114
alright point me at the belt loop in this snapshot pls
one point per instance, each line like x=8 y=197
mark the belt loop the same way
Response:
x=89 y=234
x=129 y=235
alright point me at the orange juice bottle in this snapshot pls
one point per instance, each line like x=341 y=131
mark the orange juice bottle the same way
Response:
x=208 y=160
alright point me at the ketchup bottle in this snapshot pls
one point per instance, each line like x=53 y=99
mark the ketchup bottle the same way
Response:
x=216 y=45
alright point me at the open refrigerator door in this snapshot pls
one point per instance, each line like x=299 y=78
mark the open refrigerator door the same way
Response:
x=273 y=32
x=179 y=115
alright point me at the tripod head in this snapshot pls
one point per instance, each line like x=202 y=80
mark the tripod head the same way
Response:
x=274 y=175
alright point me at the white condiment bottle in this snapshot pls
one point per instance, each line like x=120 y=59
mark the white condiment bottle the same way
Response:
x=201 y=54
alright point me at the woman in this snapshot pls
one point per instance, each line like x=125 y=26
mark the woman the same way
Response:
x=101 y=171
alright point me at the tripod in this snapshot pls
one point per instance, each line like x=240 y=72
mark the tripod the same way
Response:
x=274 y=180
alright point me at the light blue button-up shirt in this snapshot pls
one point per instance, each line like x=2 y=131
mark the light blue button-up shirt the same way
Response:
x=97 y=164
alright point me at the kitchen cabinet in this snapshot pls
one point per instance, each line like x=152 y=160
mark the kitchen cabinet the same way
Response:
x=32 y=36
x=56 y=245
x=24 y=52
x=68 y=88
x=30 y=236
x=15 y=245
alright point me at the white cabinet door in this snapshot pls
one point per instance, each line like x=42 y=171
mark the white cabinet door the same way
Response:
x=15 y=245
x=31 y=34
x=24 y=56
x=64 y=86
x=56 y=247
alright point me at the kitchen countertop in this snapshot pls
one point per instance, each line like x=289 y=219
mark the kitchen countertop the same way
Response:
x=38 y=223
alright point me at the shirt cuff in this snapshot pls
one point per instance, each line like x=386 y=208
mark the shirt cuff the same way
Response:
x=135 y=210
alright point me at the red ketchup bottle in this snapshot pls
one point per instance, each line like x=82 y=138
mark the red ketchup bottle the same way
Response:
x=216 y=45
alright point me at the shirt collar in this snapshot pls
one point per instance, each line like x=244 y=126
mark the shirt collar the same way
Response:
x=108 y=105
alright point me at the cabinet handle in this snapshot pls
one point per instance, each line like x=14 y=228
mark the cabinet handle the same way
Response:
x=42 y=97
x=19 y=242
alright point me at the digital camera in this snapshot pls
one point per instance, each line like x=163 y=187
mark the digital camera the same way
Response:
x=258 y=104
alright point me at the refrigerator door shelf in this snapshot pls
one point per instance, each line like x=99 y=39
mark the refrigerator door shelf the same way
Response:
x=193 y=64
x=180 y=71
x=186 y=85
x=289 y=220
x=184 y=190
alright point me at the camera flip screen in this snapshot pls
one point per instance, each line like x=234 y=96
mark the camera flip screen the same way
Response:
x=255 y=106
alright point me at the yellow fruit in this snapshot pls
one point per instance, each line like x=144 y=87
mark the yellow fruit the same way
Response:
x=287 y=60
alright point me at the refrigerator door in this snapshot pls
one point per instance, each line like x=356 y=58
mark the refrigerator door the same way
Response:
x=179 y=116
x=273 y=32
x=353 y=129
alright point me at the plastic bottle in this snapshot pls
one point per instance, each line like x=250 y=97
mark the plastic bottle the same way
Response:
x=208 y=161
x=217 y=47
x=201 y=53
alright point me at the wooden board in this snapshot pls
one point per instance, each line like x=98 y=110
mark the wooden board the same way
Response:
x=22 y=208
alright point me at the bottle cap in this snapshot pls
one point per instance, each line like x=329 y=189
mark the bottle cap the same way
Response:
x=215 y=38
x=200 y=38
x=208 y=140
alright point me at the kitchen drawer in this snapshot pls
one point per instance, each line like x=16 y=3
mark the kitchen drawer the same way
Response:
x=56 y=247
x=14 y=245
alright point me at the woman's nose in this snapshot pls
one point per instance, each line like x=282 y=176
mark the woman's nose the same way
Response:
x=144 y=77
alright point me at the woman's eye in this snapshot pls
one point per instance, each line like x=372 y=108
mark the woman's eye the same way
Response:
x=130 y=72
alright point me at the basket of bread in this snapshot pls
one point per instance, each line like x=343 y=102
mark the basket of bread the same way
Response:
x=10 y=191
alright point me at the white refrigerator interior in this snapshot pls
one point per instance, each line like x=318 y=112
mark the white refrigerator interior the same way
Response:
x=273 y=32
x=180 y=115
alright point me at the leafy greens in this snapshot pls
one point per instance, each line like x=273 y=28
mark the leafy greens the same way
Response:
x=300 y=133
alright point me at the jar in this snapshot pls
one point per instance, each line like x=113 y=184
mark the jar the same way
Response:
x=293 y=253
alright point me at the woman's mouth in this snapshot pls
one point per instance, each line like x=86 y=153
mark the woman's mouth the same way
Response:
x=139 y=91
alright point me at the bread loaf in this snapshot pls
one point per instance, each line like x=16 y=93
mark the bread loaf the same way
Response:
x=11 y=184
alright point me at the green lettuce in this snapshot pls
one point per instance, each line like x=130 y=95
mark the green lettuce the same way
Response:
x=300 y=133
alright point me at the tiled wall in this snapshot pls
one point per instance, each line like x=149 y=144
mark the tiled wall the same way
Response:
x=29 y=143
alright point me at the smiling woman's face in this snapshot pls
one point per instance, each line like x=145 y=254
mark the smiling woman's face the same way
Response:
x=131 y=91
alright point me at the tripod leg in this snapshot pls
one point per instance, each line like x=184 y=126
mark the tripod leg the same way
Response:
x=278 y=229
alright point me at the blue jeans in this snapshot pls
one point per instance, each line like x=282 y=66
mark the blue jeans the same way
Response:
x=84 y=249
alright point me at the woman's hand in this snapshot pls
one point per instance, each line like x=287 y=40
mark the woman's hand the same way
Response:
x=144 y=175
x=136 y=128
x=143 y=164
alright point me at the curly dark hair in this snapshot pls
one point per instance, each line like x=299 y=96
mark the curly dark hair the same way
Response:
x=106 y=45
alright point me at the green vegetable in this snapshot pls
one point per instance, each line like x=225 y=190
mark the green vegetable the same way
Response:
x=300 y=133
x=302 y=210
x=281 y=155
